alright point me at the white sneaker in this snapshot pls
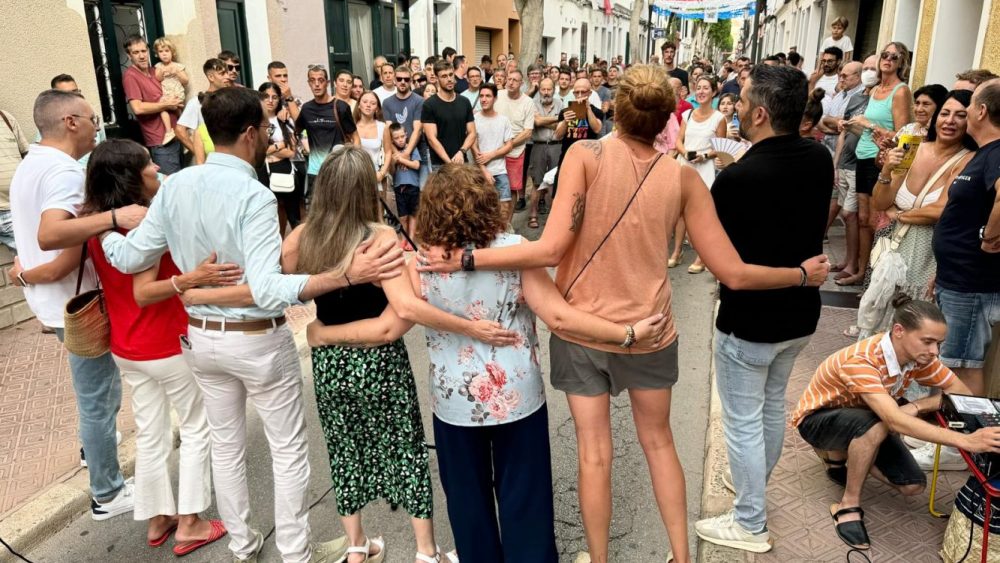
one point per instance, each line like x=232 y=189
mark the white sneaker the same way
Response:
x=914 y=443
x=950 y=459
x=724 y=530
x=328 y=552
x=83 y=458
x=124 y=502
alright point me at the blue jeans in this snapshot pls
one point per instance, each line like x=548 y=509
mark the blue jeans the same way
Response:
x=970 y=317
x=167 y=157
x=752 y=378
x=98 y=389
x=425 y=167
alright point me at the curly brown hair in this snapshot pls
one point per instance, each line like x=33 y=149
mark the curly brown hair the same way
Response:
x=457 y=207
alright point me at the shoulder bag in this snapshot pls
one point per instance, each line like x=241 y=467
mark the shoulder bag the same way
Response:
x=280 y=182
x=87 y=330
x=614 y=226
x=891 y=243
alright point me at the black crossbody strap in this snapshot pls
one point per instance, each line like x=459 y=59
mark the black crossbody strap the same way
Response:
x=79 y=275
x=614 y=226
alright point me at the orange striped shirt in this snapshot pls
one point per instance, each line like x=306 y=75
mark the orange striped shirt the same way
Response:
x=863 y=368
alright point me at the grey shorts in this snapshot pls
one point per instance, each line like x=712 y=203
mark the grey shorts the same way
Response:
x=578 y=370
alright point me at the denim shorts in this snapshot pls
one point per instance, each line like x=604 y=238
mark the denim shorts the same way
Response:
x=970 y=317
x=502 y=184
x=835 y=429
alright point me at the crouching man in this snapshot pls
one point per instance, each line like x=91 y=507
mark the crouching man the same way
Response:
x=852 y=413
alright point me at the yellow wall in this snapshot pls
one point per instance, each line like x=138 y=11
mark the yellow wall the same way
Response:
x=991 y=43
x=918 y=72
x=493 y=15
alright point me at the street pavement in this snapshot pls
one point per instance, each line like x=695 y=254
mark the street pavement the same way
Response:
x=637 y=533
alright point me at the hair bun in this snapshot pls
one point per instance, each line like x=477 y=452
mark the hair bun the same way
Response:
x=648 y=97
x=817 y=94
x=900 y=299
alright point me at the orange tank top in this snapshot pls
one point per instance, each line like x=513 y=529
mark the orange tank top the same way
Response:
x=627 y=279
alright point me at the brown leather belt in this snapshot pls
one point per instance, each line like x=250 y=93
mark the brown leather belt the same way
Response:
x=237 y=326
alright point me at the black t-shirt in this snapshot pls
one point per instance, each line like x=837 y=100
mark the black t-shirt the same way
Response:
x=451 y=119
x=773 y=204
x=318 y=122
x=461 y=85
x=579 y=129
x=962 y=265
x=679 y=73
x=375 y=84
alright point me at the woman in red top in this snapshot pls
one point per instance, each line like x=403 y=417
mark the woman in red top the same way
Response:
x=148 y=331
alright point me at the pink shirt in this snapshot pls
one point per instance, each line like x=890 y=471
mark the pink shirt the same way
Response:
x=144 y=86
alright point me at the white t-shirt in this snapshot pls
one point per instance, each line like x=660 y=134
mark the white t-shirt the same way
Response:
x=521 y=113
x=191 y=116
x=844 y=44
x=382 y=93
x=828 y=84
x=47 y=179
x=492 y=133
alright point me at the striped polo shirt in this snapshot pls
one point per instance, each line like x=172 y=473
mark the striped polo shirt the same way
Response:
x=868 y=366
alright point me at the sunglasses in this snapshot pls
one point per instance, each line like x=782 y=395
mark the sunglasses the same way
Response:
x=402 y=79
x=231 y=68
x=887 y=56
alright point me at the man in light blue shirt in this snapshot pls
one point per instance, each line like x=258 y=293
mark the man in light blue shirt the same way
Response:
x=244 y=351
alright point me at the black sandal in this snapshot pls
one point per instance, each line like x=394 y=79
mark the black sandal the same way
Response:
x=852 y=533
x=836 y=470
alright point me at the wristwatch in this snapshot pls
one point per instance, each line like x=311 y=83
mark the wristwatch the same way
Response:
x=468 y=259
x=290 y=100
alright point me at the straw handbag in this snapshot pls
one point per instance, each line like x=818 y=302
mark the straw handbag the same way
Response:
x=87 y=329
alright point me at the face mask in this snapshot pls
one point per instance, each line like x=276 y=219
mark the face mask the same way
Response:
x=869 y=78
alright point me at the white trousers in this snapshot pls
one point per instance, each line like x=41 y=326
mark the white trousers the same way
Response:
x=262 y=366
x=156 y=385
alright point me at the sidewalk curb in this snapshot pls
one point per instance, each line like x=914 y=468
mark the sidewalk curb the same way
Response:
x=715 y=498
x=63 y=502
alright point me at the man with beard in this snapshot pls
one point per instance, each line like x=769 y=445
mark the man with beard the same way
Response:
x=826 y=76
x=448 y=120
x=245 y=353
x=545 y=155
x=145 y=98
x=669 y=51
x=405 y=108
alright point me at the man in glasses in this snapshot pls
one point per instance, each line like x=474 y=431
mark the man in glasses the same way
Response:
x=475 y=77
x=145 y=98
x=406 y=108
x=67 y=83
x=827 y=75
x=388 y=87
x=232 y=62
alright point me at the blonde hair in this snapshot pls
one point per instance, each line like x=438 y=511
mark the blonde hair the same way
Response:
x=903 y=72
x=344 y=211
x=644 y=101
x=841 y=22
x=165 y=43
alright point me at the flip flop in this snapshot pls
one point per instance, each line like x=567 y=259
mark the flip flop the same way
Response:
x=852 y=533
x=218 y=531
x=852 y=331
x=162 y=539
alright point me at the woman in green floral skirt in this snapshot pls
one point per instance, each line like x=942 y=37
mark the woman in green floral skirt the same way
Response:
x=366 y=396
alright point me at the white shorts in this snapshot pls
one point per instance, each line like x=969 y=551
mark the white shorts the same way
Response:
x=847 y=195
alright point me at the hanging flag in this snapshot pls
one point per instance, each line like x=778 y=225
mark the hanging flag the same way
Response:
x=607 y=7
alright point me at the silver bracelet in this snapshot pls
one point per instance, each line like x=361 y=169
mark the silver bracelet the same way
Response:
x=629 y=337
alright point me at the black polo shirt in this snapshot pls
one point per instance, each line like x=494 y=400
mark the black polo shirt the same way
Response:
x=962 y=265
x=773 y=204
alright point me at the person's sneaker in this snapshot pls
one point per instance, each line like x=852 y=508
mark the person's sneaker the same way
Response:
x=121 y=504
x=724 y=530
x=83 y=458
x=329 y=552
x=913 y=443
x=521 y=204
x=950 y=460
x=727 y=480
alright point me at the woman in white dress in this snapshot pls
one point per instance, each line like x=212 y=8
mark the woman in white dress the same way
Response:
x=694 y=143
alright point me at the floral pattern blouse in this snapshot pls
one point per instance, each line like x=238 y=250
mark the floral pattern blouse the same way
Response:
x=473 y=383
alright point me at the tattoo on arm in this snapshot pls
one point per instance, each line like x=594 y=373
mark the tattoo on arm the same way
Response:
x=579 y=206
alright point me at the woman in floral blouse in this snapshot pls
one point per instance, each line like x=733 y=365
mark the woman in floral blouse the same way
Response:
x=490 y=418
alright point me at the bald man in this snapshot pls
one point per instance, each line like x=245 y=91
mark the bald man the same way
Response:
x=575 y=126
x=545 y=155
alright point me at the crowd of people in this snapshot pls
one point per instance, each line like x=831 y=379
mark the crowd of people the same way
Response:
x=285 y=201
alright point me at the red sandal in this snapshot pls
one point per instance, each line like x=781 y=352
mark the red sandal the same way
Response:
x=218 y=531
x=162 y=539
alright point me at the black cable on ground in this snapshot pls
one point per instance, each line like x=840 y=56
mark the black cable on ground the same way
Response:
x=859 y=552
x=16 y=554
x=311 y=506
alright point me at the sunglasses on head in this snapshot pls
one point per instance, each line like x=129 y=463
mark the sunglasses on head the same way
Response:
x=886 y=55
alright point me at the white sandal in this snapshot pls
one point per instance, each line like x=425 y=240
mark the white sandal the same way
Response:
x=436 y=558
x=366 y=550
x=452 y=556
